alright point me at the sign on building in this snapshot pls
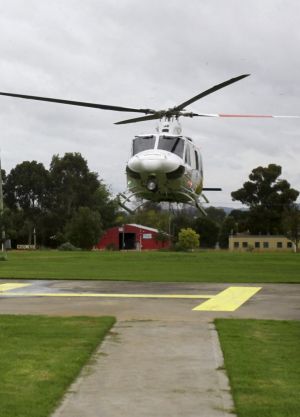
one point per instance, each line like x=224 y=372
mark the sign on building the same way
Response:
x=147 y=236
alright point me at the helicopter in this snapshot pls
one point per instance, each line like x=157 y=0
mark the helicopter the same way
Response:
x=164 y=166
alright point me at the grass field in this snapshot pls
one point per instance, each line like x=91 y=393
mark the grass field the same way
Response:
x=263 y=363
x=40 y=357
x=206 y=266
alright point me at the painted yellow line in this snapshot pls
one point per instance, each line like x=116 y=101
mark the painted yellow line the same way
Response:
x=12 y=286
x=228 y=300
x=82 y=294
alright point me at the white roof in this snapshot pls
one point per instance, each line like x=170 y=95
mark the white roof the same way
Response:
x=140 y=226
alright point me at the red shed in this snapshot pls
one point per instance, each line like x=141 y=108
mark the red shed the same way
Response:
x=132 y=236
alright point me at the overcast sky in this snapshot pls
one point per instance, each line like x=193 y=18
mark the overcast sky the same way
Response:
x=137 y=53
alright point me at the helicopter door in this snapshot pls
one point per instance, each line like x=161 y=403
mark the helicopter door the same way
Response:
x=198 y=162
x=187 y=158
x=196 y=165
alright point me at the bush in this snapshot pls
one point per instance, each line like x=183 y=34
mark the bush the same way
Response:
x=188 y=239
x=67 y=246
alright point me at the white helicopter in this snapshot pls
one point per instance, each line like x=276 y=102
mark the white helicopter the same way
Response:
x=164 y=166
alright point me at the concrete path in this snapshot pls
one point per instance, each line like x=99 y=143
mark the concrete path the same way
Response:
x=153 y=369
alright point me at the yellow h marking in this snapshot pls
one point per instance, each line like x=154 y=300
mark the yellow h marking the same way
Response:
x=228 y=300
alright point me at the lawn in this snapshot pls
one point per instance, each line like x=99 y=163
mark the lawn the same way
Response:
x=205 y=266
x=263 y=363
x=40 y=357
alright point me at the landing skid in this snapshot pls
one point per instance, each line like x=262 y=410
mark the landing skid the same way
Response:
x=124 y=198
x=194 y=200
x=188 y=197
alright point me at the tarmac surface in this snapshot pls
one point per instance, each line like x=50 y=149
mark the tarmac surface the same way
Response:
x=69 y=298
x=163 y=356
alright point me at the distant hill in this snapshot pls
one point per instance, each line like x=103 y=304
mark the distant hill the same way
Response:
x=228 y=210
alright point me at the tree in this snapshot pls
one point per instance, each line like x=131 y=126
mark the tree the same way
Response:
x=151 y=215
x=208 y=230
x=84 y=229
x=217 y=215
x=188 y=239
x=6 y=225
x=45 y=201
x=162 y=237
x=267 y=197
x=180 y=220
x=241 y=218
x=104 y=203
x=3 y=175
x=26 y=191
x=27 y=186
x=291 y=225
x=73 y=185
x=228 y=228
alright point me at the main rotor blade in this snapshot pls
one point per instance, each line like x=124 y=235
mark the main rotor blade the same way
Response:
x=138 y=119
x=79 y=103
x=263 y=116
x=209 y=91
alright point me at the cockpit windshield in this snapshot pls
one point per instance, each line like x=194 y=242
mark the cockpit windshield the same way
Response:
x=142 y=143
x=174 y=144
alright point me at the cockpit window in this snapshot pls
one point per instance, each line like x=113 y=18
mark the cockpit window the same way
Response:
x=172 y=144
x=142 y=143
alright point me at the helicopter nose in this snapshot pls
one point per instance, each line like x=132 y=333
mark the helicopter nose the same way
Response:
x=152 y=163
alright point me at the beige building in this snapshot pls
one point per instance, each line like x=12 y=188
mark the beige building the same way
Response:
x=245 y=242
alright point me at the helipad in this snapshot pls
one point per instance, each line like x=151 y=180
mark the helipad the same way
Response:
x=149 y=300
x=229 y=299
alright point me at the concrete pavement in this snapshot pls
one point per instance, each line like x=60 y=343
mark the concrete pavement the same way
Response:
x=151 y=369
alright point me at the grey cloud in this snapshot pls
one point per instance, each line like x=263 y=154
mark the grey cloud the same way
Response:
x=137 y=53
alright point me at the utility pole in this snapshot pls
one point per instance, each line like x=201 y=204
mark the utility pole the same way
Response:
x=1 y=210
